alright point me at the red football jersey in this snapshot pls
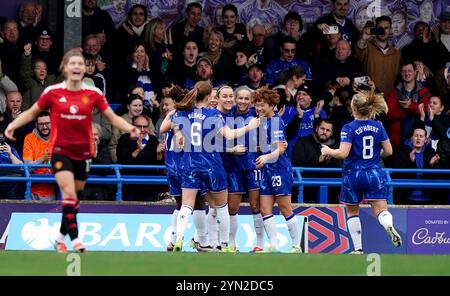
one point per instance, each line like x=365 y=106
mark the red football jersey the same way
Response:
x=71 y=117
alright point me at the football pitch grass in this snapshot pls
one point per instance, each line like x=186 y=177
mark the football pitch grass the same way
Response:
x=43 y=263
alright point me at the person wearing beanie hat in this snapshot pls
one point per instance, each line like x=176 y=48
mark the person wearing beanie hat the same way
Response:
x=300 y=120
x=255 y=76
x=43 y=49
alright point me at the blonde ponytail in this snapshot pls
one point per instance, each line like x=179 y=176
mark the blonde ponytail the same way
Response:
x=369 y=103
x=201 y=90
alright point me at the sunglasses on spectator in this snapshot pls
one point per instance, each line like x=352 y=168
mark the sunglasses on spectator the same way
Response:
x=43 y=123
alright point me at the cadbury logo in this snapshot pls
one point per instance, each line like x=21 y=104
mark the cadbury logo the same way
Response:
x=422 y=237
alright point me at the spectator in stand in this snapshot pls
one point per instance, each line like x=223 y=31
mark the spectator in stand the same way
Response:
x=403 y=104
x=135 y=107
x=300 y=120
x=6 y=86
x=92 y=72
x=43 y=50
x=222 y=61
x=293 y=26
x=184 y=68
x=435 y=114
x=159 y=53
x=129 y=32
x=103 y=63
x=98 y=22
x=30 y=24
x=10 y=50
x=204 y=72
x=425 y=47
x=234 y=33
x=240 y=67
x=106 y=128
x=425 y=76
x=35 y=151
x=261 y=45
x=415 y=153
x=145 y=150
x=9 y=155
x=255 y=78
x=442 y=82
x=340 y=109
x=326 y=49
x=338 y=17
x=286 y=61
x=438 y=119
x=306 y=153
x=34 y=77
x=342 y=67
x=167 y=105
x=12 y=111
x=289 y=81
x=188 y=28
x=138 y=72
x=380 y=59
x=101 y=156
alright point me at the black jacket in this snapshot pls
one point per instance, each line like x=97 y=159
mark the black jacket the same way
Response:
x=306 y=153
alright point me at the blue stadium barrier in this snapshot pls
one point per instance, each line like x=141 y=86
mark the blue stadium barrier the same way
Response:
x=117 y=178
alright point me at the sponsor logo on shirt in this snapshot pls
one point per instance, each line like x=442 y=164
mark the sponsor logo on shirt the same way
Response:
x=73 y=109
x=62 y=100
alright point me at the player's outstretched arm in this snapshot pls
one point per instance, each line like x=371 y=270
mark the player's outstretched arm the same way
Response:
x=231 y=134
x=340 y=153
x=120 y=123
x=24 y=118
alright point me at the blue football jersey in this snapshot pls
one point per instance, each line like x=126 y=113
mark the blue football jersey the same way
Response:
x=229 y=121
x=366 y=137
x=306 y=125
x=271 y=132
x=173 y=155
x=245 y=161
x=202 y=142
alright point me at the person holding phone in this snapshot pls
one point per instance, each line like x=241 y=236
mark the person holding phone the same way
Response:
x=338 y=17
x=380 y=59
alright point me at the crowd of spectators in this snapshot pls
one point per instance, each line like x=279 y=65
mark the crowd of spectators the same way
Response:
x=313 y=69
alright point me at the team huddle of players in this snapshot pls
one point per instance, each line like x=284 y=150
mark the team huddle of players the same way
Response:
x=223 y=144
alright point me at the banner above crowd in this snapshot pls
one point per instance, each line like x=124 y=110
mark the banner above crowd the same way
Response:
x=404 y=14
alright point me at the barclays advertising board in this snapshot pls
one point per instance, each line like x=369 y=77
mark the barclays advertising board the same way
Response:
x=125 y=232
